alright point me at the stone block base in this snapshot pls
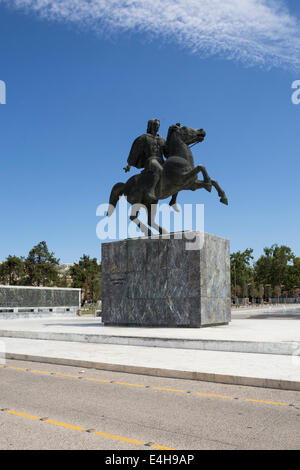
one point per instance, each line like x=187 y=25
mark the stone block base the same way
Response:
x=167 y=282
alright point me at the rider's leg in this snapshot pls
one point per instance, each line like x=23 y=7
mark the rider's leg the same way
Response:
x=155 y=170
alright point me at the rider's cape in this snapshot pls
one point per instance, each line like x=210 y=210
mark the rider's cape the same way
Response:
x=137 y=154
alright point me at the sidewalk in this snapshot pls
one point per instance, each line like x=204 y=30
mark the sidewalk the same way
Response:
x=259 y=370
x=187 y=353
x=245 y=336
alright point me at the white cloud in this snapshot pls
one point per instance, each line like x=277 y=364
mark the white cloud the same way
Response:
x=252 y=31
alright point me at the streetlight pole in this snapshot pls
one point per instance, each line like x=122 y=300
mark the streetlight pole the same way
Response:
x=282 y=287
x=234 y=267
x=249 y=284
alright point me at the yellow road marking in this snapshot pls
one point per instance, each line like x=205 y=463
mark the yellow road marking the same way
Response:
x=168 y=389
x=141 y=386
x=67 y=375
x=162 y=448
x=96 y=380
x=80 y=428
x=130 y=385
x=267 y=402
x=24 y=415
x=64 y=425
x=40 y=372
x=212 y=395
x=118 y=438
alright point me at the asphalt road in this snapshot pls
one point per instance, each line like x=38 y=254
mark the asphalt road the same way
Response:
x=46 y=406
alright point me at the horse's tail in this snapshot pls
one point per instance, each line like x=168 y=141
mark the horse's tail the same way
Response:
x=115 y=194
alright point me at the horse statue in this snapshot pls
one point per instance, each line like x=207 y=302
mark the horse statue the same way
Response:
x=179 y=173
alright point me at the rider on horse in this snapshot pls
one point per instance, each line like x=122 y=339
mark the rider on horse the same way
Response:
x=176 y=174
x=147 y=152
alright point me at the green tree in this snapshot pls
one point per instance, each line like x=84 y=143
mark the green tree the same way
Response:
x=274 y=268
x=294 y=277
x=62 y=280
x=86 y=274
x=12 y=271
x=277 y=292
x=41 y=266
x=241 y=272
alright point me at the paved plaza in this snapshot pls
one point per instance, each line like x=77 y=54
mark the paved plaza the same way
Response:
x=258 y=352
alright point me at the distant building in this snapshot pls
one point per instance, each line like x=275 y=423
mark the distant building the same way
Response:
x=65 y=266
x=63 y=270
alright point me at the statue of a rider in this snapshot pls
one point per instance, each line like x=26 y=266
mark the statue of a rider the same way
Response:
x=148 y=152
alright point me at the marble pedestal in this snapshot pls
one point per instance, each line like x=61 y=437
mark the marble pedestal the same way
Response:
x=165 y=281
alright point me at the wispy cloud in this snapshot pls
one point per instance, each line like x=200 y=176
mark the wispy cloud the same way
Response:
x=260 y=32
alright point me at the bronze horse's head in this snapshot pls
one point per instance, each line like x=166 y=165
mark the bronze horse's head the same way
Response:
x=187 y=134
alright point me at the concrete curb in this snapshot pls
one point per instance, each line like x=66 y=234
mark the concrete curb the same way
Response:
x=168 y=373
x=266 y=309
x=285 y=348
x=17 y=316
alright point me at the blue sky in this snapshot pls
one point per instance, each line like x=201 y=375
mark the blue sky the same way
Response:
x=82 y=84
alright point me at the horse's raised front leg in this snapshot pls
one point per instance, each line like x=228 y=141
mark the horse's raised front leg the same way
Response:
x=206 y=183
x=206 y=177
x=191 y=174
x=221 y=193
x=201 y=184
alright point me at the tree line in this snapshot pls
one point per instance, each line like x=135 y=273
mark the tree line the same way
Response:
x=274 y=274
x=42 y=268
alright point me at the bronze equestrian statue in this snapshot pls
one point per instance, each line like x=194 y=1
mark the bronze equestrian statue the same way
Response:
x=161 y=178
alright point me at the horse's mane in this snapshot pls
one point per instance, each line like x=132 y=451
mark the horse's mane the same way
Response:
x=171 y=130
